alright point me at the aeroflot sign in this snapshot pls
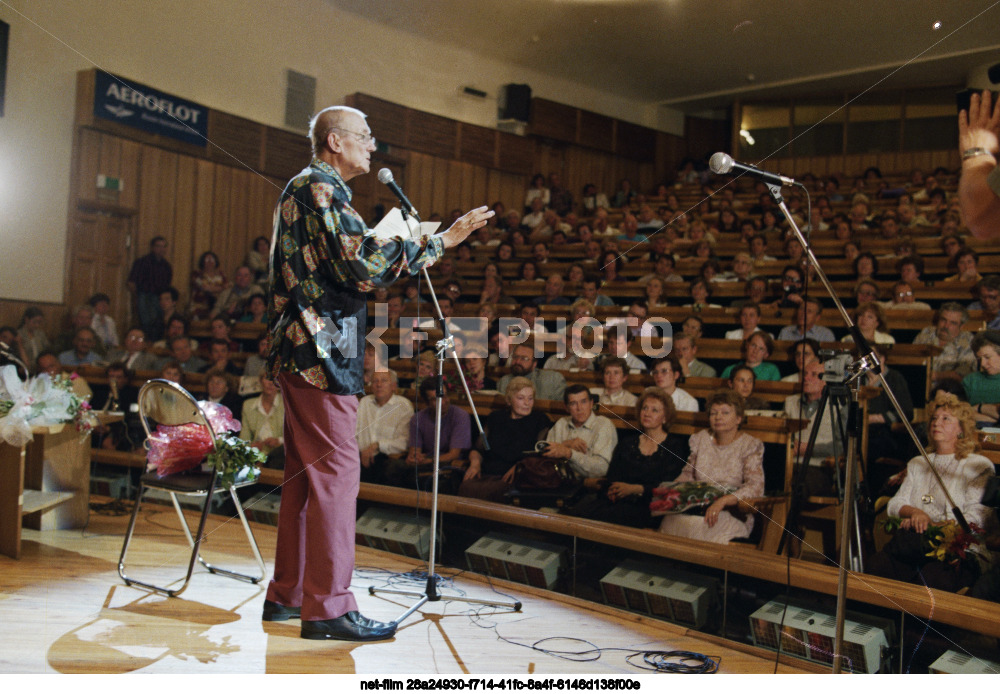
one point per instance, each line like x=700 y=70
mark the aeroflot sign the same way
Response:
x=139 y=106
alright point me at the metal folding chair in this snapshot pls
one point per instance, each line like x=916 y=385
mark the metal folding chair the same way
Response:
x=164 y=402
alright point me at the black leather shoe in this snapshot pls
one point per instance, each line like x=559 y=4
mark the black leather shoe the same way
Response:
x=349 y=627
x=276 y=612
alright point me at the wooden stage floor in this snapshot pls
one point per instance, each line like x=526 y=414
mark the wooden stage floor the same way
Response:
x=65 y=610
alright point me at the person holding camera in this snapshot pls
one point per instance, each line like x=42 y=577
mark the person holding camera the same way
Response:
x=819 y=476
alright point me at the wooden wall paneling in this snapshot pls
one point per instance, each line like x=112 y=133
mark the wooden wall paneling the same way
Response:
x=111 y=158
x=432 y=134
x=241 y=229
x=419 y=182
x=516 y=154
x=225 y=248
x=441 y=175
x=477 y=145
x=635 y=142
x=89 y=164
x=131 y=155
x=388 y=121
x=158 y=181
x=596 y=131
x=480 y=183
x=185 y=248
x=235 y=141
x=552 y=119
x=206 y=235
x=285 y=153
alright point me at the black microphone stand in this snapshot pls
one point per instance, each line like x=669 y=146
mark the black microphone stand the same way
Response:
x=866 y=363
x=443 y=347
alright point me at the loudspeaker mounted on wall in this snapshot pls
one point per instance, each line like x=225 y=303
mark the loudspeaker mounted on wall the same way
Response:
x=514 y=102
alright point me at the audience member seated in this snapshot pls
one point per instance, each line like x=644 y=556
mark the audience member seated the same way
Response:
x=700 y=290
x=882 y=441
x=640 y=461
x=533 y=217
x=181 y=352
x=614 y=371
x=653 y=291
x=576 y=351
x=102 y=324
x=219 y=359
x=231 y=302
x=870 y=320
x=32 y=334
x=493 y=291
x=511 y=432
x=553 y=295
x=618 y=339
x=805 y=405
x=548 y=385
x=987 y=293
x=9 y=337
x=207 y=282
x=258 y=257
x=965 y=265
x=134 y=356
x=169 y=309
x=865 y=291
x=221 y=387
x=65 y=341
x=956 y=358
x=983 y=385
x=749 y=322
x=219 y=329
x=83 y=349
x=756 y=350
x=589 y=290
x=263 y=420
x=686 y=349
x=806 y=317
x=902 y=298
x=742 y=380
x=921 y=504
x=723 y=457
x=49 y=363
x=171 y=371
x=456 y=438
x=117 y=396
x=383 y=426
x=791 y=288
x=539 y=190
x=176 y=327
x=256 y=362
x=663 y=268
x=474 y=371
x=584 y=439
x=256 y=311
x=865 y=266
x=667 y=374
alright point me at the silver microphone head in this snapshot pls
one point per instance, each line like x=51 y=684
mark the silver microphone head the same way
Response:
x=720 y=163
x=385 y=176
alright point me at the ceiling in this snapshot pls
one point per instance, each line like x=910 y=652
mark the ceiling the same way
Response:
x=695 y=55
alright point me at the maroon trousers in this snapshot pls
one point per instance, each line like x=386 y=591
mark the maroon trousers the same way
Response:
x=314 y=560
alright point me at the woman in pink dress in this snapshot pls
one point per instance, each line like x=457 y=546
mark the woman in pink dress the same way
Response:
x=724 y=457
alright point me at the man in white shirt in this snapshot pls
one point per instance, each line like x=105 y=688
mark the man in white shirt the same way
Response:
x=666 y=373
x=383 y=427
x=584 y=438
x=614 y=372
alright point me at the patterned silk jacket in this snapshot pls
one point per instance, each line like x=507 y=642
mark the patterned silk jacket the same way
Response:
x=323 y=261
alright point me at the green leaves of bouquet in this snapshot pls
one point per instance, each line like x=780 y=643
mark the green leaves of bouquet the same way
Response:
x=235 y=460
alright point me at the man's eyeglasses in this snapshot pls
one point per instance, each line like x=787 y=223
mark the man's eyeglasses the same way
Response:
x=363 y=138
x=903 y=295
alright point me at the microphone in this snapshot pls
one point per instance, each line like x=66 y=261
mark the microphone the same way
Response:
x=722 y=163
x=385 y=176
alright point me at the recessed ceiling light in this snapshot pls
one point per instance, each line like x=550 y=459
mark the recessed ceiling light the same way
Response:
x=936 y=25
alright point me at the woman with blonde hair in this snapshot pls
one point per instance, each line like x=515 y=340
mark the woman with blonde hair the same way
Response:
x=921 y=503
x=725 y=457
x=510 y=432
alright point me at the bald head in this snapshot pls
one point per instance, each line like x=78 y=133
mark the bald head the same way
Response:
x=325 y=121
